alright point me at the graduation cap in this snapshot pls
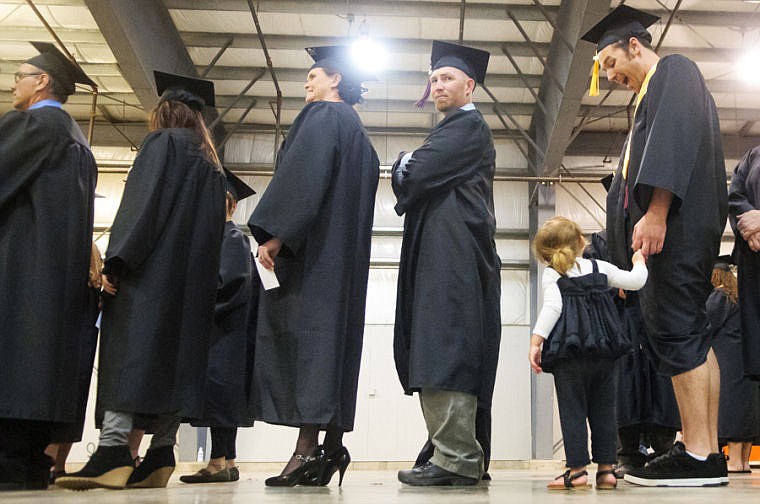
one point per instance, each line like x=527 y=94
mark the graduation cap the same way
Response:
x=340 y=59
x=621 y=23
x=724 y=262
x=57 y=65
x=473 y=62
x=607 y=181
x=193 y=92
x=235 y=186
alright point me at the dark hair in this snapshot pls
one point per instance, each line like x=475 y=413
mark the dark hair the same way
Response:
x=349 y=89
x=623 y=43
x=56 y=89
x=174 y=114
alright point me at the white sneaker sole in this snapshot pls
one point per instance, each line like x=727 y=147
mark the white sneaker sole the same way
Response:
x=676 y=482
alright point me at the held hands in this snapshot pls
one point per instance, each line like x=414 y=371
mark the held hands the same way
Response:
x=534 y=354
x=110 y=284
x=268 y=251
x=638 y=258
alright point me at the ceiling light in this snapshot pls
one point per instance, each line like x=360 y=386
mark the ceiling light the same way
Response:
x=368 y=55
x=748 y=67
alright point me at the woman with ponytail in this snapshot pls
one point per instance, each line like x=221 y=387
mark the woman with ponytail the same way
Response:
x=578 y=337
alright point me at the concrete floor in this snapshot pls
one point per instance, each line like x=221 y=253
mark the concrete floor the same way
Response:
x=373 y=487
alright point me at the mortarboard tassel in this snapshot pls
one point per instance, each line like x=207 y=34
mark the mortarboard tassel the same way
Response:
x=422 y=101
x=594 y=88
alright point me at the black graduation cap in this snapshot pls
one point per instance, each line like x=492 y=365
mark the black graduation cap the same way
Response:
x=61 y=68
x=235 y=186
x=621 y=23
x=338 y=58
x=607 y=181
x=724 y=262
x=193 y=92
x=471 y=61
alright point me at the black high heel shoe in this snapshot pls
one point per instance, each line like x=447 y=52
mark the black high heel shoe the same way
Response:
x=335 y=461
x=306 y=474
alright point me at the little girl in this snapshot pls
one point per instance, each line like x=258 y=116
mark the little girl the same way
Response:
x=577 y=337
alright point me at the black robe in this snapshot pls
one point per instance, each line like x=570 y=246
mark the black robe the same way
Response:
x=320 y=203
x=226 y=385
x=676 y=146
x=448 y=324
x=743 y=196
x=164 y=248
x=47 y=186
x=739 y=410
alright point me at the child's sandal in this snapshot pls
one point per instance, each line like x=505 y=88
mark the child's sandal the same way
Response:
x=567 y=480
x=604 y=485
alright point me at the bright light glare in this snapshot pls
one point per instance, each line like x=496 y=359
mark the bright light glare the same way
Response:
x=748 y=67
x=369 y=56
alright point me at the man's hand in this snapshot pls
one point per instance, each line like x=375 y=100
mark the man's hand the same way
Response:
x=754 y=242
x=110 y=284
x=649 y=232
x=268 y=251
x=534 y=354
x=748 y=224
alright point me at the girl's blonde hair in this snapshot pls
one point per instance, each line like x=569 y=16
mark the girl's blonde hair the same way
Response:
x=558 y=242
x=724 y=279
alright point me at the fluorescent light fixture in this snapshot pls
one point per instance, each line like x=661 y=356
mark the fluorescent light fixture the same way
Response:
x=368 y=55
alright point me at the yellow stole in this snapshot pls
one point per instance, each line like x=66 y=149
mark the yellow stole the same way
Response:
x=639 y=97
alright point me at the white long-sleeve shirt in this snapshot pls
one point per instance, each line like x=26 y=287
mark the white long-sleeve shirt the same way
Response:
x=552 y=307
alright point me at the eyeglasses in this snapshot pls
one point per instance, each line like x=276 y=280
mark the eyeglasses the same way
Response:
x=23 y=75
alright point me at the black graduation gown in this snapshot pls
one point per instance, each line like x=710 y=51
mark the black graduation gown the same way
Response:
x=47 y=186
x=743 y=196
x=226 y=386
x=164 y=247
x=320 y=203
x=676 y=145
x=739 y=410
x=448 y=325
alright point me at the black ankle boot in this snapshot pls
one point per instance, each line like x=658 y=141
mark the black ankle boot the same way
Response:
x=108 y=467
x=155 y=469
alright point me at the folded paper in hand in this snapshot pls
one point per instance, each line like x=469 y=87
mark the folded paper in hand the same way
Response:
x=268 y=277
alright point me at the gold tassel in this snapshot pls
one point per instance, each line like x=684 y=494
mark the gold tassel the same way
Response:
x=594 y=88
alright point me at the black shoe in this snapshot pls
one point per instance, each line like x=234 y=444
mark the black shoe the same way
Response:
x=721 y=461
x=155 y=469
x=678 y=468
x=429 y=474
x=307 y=474
x=12 y=474
x=486 y=476
x=335 y=461
x=627 y=462
x=206 y=476
x=108 y=467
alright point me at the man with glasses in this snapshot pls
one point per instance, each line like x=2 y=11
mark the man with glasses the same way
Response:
x=48 y=179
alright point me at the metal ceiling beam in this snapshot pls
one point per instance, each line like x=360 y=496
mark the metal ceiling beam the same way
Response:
x=553 y=130
x=142 y=35
x=394 y=8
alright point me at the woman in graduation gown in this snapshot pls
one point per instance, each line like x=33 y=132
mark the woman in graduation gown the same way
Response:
x=161 y=272
x=739 y=410
x=314 y=225
x=226 y=406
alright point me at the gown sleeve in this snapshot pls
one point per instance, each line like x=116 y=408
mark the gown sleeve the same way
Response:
x=234 y=273
x=304 y=173
x=146 y=205
x=675 y=122
x=738 y=200
x=450 y=155
x=24 y=145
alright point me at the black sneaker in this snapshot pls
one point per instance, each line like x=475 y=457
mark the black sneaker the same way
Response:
x=720 y=460
x=108 y=467
x=678 y=468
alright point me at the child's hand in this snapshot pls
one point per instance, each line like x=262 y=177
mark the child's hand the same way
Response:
x=638 y=258
x=534 y=354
